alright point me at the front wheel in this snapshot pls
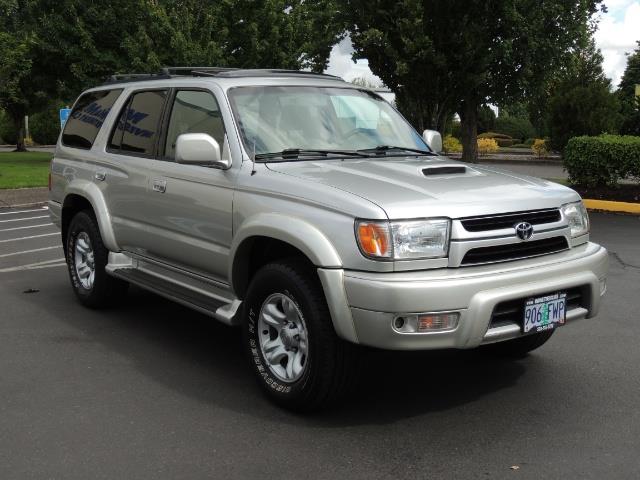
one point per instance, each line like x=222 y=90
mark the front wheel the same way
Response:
x=518 y=347
x=299 y=360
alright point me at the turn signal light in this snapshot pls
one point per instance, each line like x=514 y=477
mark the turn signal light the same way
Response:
x=373 y=239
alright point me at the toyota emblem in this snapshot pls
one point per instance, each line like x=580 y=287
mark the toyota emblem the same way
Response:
x=524 y=230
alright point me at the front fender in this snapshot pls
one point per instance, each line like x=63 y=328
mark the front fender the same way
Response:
x=294 y=231
x=93 y=194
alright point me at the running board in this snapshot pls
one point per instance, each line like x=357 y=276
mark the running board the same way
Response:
x=197 y=294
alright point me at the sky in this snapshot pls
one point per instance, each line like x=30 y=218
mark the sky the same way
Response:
x=618 y=31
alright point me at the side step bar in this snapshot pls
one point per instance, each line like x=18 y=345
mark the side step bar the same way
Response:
x=180 y=291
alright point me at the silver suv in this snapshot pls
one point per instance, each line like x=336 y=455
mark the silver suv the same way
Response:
x=308 y=211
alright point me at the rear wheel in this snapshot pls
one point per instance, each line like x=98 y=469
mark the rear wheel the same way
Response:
x=519 y=347
x=294 y=351
x=87 y=258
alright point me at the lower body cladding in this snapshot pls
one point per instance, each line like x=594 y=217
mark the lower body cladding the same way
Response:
x=483 y=304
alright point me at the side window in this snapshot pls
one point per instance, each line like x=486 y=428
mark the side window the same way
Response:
x=137 y=129
x=87 y=117
x=194 y=112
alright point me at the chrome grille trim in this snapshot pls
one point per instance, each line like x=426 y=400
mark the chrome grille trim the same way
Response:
x=506 y=220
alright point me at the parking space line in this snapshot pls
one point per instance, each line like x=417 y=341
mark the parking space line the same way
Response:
x=28 y=238
x=30 y=204
x=30 y=251
x=22 y=228
x=25 y=211
x=58 y=262
x=23 y=219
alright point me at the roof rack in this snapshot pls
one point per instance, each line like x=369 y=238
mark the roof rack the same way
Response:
x=195 y=71
x=134 y=77
x=224 y=72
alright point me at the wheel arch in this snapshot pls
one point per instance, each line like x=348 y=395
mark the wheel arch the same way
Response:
x=83 y=195
x=276 y=236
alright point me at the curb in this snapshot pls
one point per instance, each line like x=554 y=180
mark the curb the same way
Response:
x=609 y=206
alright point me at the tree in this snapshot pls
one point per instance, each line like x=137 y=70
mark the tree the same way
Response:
x=582 y=102
x=19 y=89
x=456 y=55
x=57 y=48
x=630 y=103
x=486 y=119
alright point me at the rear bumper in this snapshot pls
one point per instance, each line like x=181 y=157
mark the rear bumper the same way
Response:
x=371 y=301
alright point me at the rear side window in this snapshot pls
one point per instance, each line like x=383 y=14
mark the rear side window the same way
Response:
x=138 y=127
x=87 y=117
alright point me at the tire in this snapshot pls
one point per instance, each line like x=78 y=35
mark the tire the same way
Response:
x=316 y=371
x=519 y=347
x=99 y=289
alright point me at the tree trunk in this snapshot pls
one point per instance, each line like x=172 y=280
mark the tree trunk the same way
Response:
x=469 y=131
x=18 y=121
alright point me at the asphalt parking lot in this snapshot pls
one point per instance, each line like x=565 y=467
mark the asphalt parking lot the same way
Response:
x=150 y=389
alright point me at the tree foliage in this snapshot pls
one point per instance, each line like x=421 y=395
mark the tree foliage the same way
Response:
x=441 y=57
x=582 y=102
x=627 y=95
x=56 y=48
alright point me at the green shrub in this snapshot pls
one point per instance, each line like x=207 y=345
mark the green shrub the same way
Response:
x=505 y=142
x=44 y=126
x=494 y=135
x=602 y=160
x=515 y=127
x=529 y=142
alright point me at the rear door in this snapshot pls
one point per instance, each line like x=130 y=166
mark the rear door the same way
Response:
x=131 y=150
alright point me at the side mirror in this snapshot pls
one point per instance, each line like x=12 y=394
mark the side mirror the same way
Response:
x=433 y=139
x=199 y=149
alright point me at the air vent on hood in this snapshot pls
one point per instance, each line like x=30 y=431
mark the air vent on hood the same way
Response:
x=449 y=170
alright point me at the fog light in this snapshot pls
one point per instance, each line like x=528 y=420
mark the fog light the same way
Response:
x=426 y=322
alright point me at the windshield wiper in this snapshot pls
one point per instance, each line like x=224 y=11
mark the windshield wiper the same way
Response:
x=288 y=153
x=380 y=149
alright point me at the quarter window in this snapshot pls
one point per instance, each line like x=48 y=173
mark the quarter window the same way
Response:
x=194 y=111
x=138 y=126
x=87 y=118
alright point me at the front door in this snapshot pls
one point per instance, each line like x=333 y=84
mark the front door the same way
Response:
x=189 y=207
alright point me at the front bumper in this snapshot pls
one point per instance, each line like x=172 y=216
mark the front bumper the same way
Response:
x=364 y=306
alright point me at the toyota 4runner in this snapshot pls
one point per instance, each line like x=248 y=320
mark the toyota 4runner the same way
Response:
x=308 y=211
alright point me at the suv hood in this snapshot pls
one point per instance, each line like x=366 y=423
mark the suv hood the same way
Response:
x=399 y=186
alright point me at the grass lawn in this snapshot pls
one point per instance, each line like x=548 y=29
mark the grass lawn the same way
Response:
x=24 y=169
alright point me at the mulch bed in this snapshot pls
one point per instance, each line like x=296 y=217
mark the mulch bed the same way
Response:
x=621 y=193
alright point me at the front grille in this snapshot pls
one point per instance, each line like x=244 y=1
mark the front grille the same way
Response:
x=498 y=222
x=512 y=311
x=514 y=251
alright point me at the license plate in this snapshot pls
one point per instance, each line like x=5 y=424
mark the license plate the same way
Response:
x=545 y=313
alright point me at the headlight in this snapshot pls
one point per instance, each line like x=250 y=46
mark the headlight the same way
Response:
x=404 y=239
x=578 y=218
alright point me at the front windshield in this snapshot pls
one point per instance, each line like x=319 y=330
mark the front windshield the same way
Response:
x=273 y=119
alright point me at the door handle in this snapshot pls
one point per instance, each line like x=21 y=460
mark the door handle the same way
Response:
x=100 y=175
x=159 y=186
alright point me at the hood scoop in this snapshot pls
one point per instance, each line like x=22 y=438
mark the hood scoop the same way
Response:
x=446 y=170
